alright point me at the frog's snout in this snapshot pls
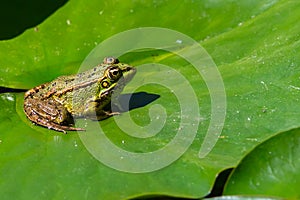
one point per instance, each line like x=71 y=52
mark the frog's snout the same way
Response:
x=128 y=73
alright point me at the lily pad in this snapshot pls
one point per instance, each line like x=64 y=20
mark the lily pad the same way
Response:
x=253 y=43
x=272 y=168
x=244 y=198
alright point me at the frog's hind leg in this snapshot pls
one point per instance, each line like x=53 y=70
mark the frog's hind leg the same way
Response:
x=49 y=114
x=57 y=127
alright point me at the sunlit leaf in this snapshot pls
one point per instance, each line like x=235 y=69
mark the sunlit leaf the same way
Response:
x=272 y=168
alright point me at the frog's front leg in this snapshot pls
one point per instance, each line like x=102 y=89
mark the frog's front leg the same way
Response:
x=95 y=111
x=49 y=114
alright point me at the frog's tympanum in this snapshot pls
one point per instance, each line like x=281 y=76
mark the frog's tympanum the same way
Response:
x=85 y=95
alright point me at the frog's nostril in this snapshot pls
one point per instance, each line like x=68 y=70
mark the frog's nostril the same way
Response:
x=128 y=68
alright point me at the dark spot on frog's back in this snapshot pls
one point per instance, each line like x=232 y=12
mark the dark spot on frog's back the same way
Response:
x=70 y=80
x=91 y=75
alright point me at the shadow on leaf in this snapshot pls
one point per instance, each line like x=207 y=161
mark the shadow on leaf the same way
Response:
x=136 y=100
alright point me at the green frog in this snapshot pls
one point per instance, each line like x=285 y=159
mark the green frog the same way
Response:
x=85 y=95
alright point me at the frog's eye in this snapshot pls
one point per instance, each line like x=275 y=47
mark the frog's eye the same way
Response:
x=105 y=84
x=114 y=73
x=110 y=60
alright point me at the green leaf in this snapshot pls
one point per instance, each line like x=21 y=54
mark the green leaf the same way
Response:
x=255 y=45
x=60 y=44
x=243 y=198
x=272 y=168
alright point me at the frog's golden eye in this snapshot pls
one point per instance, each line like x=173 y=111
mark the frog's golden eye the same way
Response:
x=105 y=84
x=114 y=73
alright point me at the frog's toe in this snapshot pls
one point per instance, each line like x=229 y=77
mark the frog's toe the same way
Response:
x=113 y=113
x=62 y=128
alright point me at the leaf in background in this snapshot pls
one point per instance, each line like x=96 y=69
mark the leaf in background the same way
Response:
x=244 y=198
x=272 y=168
x=61 y=43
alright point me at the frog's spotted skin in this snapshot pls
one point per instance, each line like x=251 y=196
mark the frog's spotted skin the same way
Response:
x=88 y=94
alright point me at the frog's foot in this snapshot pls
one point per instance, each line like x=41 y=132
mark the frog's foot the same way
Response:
x=54 y=126
x=51 y=115
x=112 y=113
x=102 y=115
x=61 y=128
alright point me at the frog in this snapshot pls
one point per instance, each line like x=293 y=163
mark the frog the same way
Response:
x=88 y=94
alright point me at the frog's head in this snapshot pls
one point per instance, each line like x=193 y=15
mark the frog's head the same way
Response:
x=117 y=75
